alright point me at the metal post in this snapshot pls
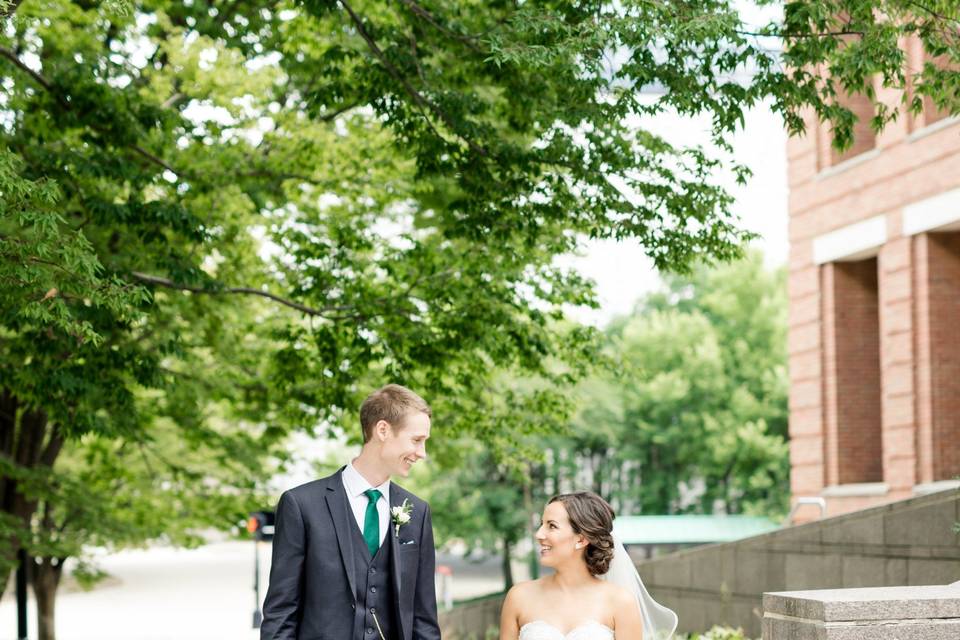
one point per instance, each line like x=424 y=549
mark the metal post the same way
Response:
x=257 y=613
x=22 y=595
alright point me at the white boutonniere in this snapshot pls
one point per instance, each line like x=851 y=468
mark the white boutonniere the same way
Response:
x=401 y=515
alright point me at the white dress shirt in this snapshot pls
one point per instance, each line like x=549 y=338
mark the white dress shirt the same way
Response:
x=355 y=484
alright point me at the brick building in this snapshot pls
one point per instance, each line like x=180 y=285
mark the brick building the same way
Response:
x=874 y=337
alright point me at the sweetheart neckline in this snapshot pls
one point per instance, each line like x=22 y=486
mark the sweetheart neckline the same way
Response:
x=576 y=628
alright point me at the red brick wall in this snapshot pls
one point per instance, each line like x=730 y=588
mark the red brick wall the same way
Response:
x=851 y=372
x=864 y=139
x=943 y=291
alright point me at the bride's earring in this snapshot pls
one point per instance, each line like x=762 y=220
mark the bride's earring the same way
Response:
x=577 y=546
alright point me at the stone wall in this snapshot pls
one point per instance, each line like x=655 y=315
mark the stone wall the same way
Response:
x=473 y=619
x=911 y=542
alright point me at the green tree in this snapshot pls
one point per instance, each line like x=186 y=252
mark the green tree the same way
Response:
x=482 y=505
x=114 y=494
x=695 y=417
x=686 y=413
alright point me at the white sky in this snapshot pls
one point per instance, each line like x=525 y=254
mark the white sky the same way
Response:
x=621 y=270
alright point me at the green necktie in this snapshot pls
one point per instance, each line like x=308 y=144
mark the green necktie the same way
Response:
x=371 y=522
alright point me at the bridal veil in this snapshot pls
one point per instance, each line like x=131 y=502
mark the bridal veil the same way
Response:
x=659 y=622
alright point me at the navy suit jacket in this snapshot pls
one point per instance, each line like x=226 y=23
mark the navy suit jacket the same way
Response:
x=312 y=594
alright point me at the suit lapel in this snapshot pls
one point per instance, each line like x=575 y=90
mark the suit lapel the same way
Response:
x=340 y=514
x=395 y=501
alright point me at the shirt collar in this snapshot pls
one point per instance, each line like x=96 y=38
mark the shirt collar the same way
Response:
x=356 y=484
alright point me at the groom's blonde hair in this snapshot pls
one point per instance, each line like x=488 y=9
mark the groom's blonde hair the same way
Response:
x=392 y=404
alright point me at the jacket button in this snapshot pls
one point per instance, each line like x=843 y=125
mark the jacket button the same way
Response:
x=354 y=607
x=373 y=609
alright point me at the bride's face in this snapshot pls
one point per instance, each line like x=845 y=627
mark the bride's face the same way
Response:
x=559 y=543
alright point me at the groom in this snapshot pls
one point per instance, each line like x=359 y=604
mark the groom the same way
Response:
x=348 y=564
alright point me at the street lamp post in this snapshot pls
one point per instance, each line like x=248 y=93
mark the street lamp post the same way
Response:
x=260 y=524
x=22 y=595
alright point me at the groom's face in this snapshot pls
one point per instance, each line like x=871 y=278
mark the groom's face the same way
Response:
x=406 y=444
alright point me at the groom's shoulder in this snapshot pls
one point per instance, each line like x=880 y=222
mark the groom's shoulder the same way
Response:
x=314 y=486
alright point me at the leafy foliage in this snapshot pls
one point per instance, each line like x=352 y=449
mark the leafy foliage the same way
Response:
x=687 y=415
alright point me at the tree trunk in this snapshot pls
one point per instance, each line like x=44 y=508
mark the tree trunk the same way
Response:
x=507 y=569
x=46 y=579
x=29 y=440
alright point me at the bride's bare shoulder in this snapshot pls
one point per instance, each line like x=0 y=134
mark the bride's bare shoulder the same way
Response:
x=524 y=590
x=617 y=594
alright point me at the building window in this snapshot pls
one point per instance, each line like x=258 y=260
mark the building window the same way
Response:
x=864 y=138
x=917 y=60
x=931 y=112
x=852 y=392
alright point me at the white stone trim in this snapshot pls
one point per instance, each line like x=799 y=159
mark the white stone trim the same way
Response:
x=923 y=132
x=853 y=242
x=848 y=164
x=934 y=487
x=855 y=490
x=941 y=212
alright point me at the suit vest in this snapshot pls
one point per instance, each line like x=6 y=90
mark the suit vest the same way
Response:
x=375 y=595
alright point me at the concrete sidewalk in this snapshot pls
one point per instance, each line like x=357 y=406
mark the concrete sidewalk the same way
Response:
x=199 y=594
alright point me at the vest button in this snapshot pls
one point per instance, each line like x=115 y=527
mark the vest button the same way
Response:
x=373 y=569
x=369 y=630
x=354 y=607
x=373 y=589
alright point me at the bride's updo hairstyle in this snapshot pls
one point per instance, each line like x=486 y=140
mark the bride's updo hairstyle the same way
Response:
x=592 y=517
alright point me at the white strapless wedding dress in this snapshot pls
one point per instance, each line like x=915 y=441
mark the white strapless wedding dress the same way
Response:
x=540 y=630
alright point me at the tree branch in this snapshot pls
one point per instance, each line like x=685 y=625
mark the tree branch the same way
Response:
x=43 y=82
x=933 y=13
x=824 y=34
x=329 y=117
x=469 y=41
x=160 y=162
x=417 y=97
x=170 y=284
x=8 y=7
x=53 y=447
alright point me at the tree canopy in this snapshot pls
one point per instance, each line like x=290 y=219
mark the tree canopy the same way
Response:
x=688 y=414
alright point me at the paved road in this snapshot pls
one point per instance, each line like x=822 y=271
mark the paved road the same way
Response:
x=199 y=594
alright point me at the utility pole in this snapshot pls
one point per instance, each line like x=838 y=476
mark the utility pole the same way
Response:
x=22 y=595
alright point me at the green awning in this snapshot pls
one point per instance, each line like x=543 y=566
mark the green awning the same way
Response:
x=690 y=529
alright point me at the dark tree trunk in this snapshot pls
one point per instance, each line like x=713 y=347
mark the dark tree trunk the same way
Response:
x=46 y=579
x=27 y=440
x=507 y=569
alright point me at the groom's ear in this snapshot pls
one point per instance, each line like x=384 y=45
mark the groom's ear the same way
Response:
x=381 y=429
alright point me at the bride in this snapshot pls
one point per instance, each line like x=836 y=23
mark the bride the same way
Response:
x=595 y=592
